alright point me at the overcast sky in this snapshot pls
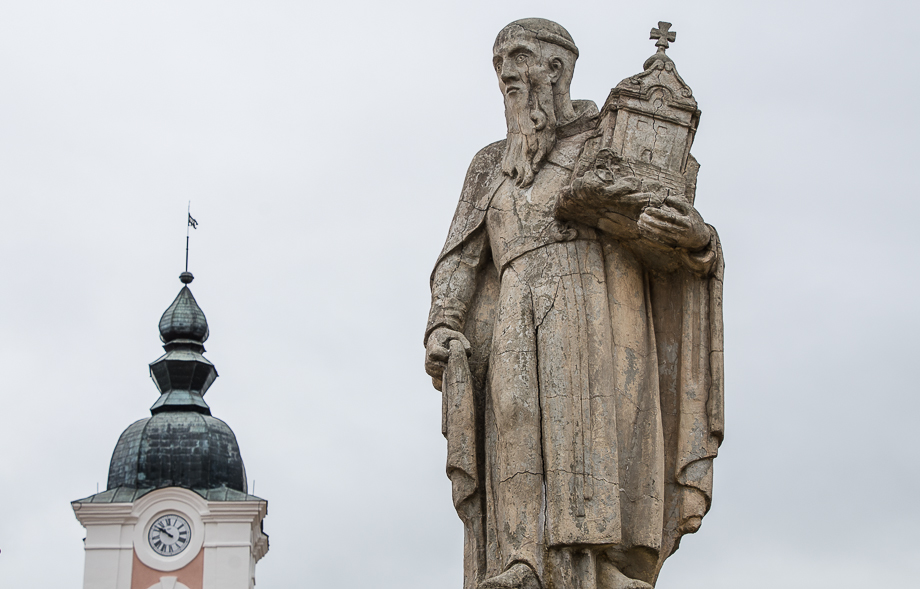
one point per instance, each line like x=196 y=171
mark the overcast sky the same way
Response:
x=323 y=146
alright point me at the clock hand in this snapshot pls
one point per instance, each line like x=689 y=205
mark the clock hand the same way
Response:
x=165 y=532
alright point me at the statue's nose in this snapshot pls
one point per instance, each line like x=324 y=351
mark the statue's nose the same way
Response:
x=509 y=73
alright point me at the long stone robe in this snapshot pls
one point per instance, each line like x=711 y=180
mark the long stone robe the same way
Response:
x=595 y=379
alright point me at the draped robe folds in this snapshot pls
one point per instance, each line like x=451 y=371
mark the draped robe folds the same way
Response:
x=593 y=397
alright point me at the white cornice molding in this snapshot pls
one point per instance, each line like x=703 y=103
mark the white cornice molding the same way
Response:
x=94 y=514
x=190 y=498
x=107 y=546
x=235 y=511
x=228 y=544
x=260 y=546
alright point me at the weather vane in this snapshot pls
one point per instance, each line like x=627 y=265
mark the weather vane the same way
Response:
x=186 y=277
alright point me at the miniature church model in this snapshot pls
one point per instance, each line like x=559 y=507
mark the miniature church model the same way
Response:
x=647 y=125
x=176 y=513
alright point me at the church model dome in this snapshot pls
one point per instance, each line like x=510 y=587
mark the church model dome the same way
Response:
x=181 y=445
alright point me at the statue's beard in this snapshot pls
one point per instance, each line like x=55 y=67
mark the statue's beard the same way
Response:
x=531 y=117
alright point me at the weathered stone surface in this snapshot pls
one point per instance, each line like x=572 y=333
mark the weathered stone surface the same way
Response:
x=575 y=328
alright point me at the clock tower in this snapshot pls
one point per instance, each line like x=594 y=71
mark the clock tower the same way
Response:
x=176 y=513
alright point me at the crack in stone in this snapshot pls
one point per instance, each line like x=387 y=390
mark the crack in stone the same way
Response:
x=593 y=476
x=536 y=474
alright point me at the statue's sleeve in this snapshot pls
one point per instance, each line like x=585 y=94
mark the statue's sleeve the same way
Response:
x=454 y=279
x=453 y=283
x=655 y=256
x=687 y=316
x=703 y=262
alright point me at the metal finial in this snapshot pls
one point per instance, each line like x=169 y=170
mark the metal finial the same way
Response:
x=663 y=34
x=186 y=277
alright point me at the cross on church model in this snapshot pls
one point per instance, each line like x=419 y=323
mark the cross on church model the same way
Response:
x=663 y=34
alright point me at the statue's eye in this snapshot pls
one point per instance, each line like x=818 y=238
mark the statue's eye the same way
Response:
x=498 y=65
x=521 y=58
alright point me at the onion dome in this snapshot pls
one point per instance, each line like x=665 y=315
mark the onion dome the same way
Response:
x=184 y=319
x=181 y=445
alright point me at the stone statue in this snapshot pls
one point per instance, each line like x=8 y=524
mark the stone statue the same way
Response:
x=575 y=328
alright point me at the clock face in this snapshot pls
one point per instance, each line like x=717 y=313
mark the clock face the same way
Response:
x=169 y=534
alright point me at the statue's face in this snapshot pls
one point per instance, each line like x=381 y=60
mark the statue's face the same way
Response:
x=526 y=82
x=517 y=59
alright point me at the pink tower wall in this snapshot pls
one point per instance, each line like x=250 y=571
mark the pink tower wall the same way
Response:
x=191 y=575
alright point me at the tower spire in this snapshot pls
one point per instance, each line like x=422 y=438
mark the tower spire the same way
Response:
x=170 y=469
x=183 y=375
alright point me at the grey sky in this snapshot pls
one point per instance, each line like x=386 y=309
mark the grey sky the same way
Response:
x=323 y=148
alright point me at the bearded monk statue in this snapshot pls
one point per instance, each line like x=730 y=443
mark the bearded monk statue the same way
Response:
x=575 y=328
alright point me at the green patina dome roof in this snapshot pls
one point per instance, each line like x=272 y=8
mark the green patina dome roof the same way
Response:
x=184 y=320
x=178 y=449
x=181 y=445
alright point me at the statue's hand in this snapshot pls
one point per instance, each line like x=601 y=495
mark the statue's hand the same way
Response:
x=595 y=195
x=437 y=350
x=675 y=223
x=593 y=191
